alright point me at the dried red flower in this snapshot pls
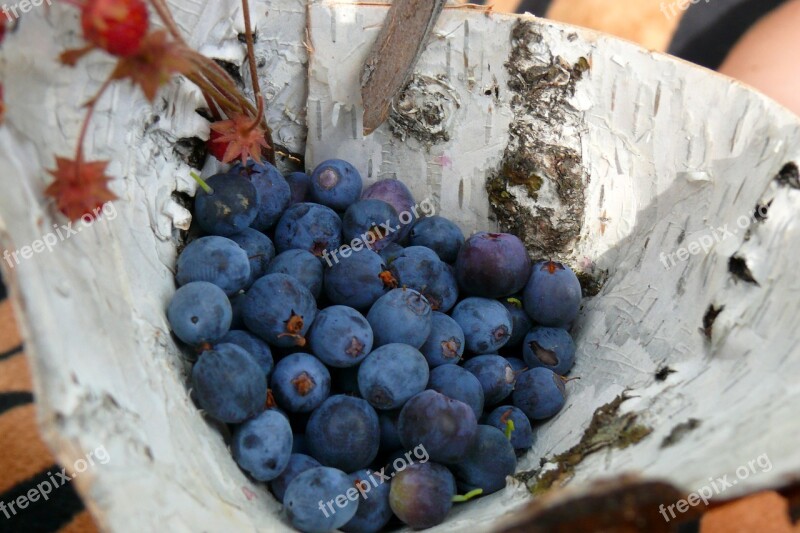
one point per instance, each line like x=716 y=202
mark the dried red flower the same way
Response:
x=240 y=139
x=80 y=187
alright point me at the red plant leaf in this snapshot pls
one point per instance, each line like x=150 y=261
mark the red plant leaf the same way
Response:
x=80 y=187
x=157 y=60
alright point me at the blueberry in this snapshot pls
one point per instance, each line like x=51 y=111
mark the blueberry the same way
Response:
x=298 y=463
x=299 y=183
x=336 y=184
x=443 y=426
x=486 y=324
x=445 y=344
x=553 y=294
x=422 y=495
x=300 y=383
x=489 y=460
x=419 y=268
x=344 y=433
x=340 y=336
x=262 y=446
x=301 y=265
x=279 y=309
x=307 y=496
x=551 y=348
x=217 y=260
x=459 y=384
x=230 y=208
x=374 y=511
x=401 y=315
x=520 y=321
x=395 y=193
x=392 y=374
x=539 y=393
x=357 y=279
x=493 y=265
x=311 y=227
x=371 y=222
x=439 y=234
x=260 y=251
x=272 y=191
x=228 y=384
x=258 y=349
x=522 y=435
x=495 y=374
x=199 y=313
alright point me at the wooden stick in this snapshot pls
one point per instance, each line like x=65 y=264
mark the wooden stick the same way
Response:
x=391 y=61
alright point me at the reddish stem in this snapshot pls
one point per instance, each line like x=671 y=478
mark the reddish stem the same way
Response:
x=90 y=105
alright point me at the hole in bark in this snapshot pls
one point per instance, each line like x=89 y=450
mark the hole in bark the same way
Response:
x=663 y=373
x=192 y=151
x=761 y=211
x=789 y=176
x=205 y=113
x=232 y=69
x=737 y=266
x=708 y=319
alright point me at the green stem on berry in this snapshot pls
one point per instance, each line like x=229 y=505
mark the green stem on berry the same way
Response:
x=467 y=497
x=509 y=428
x=515 y=302
x=201 y=182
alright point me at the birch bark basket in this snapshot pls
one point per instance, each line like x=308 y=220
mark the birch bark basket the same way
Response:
x=641 y=171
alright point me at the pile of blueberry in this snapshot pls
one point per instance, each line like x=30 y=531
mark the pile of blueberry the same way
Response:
x=369 y=361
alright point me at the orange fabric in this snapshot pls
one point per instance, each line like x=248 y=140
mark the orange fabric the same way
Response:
x=9 y=335
x=24 y=454
x=14 y=374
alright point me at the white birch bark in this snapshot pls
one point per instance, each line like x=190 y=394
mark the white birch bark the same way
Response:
x=663 y=149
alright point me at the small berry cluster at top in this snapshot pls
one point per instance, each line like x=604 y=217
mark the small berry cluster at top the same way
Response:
x=326 y=373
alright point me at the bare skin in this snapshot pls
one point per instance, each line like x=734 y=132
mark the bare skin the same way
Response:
x=766 y=57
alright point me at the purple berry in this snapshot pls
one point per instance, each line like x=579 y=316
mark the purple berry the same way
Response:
x=445 y=427
x=493 y=265
x=395 y=193
x=422 y=495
